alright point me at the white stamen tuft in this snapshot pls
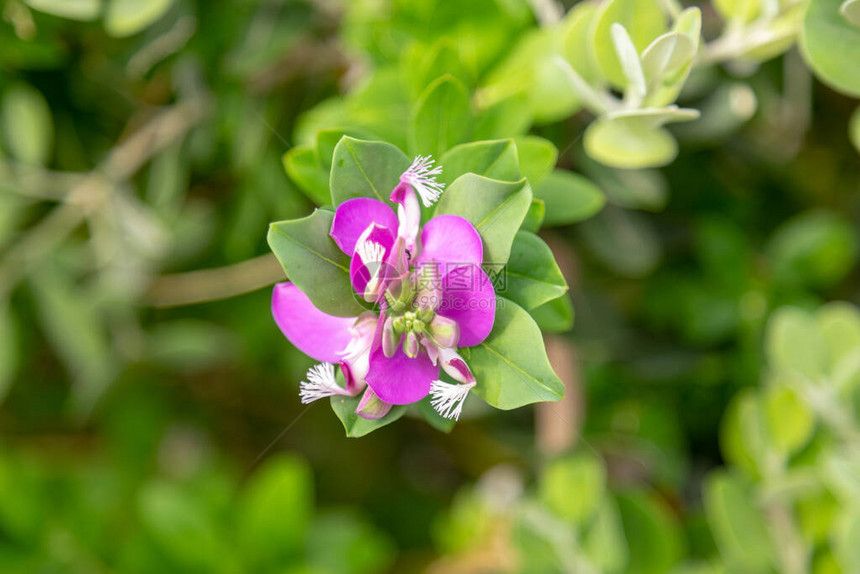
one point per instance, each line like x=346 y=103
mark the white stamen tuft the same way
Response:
x=421 y=175
x=448 y=399
x=320 y=384
x=370 y=252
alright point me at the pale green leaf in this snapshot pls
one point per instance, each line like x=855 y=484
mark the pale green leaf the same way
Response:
x=83 y=10
x=643 y=20
x=128 y=17
x=27 y=124
x=831 y=46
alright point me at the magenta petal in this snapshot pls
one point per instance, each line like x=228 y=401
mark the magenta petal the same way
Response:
x=353 y=216
x=314 y=333
x=468 y=297
x=452 y=241
x=401 y=380
x=359 y=273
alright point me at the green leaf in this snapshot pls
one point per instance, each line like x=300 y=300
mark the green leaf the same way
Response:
x=741 y=434
x=555 y=316
x=604 y=541
x=365 y=169
x=180 y=526
x=511 y=365
x=496 y=159
x=274 y=512
x=738 y=12
x=327 y=140
x=127 y=17
x=569 y=198
x=575 y=40
x=314 y=262
x=654 y=537
x=356 y=426
x=643 y=20
x=582 y=474
x=830 y=44
x=668 y=60
x=530 y=68
x=511 y=115
x=790 y=421
x=441 y=117
x=535 y=217
x=304 y=168
x=442 y=58
x=83 y=10
x=854 y=129
x=634 y=139
x=495 y=208
x=815 y=248
x=8 y=348
x=839 y=324
x=537 y=157
x=532 y=276
x=794 y=343
x=73 y=325
x=27 y=124
x=737 y=523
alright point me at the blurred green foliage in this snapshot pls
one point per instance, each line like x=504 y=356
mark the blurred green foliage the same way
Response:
x=143 y=140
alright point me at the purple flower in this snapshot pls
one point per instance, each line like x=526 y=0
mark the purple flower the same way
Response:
x=431 y=296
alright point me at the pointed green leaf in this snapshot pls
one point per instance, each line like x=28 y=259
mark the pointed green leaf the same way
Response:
x=441 y=117
x=365 y=169
x=314 y=262
x=495 y=208
x=511 y=365
x=303 y=167
x=496 y=159
x=532 y=276
x=356 y=426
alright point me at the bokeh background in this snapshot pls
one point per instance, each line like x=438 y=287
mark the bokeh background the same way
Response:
x=150 y=420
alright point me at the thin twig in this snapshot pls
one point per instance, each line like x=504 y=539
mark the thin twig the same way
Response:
x=214 y=284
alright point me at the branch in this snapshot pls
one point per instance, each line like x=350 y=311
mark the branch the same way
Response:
x=214 y=284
